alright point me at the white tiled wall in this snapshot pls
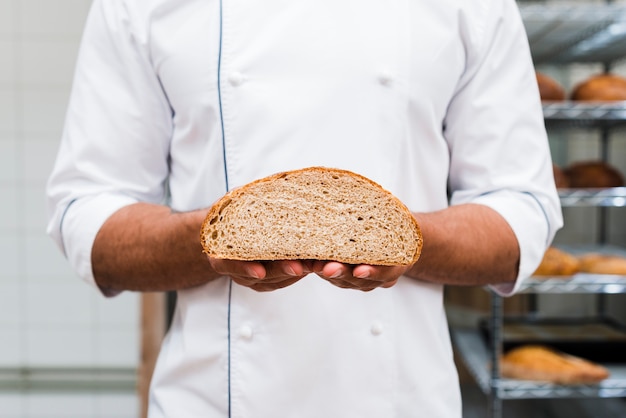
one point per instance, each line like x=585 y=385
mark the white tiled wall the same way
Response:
x=48 y=317
x=56 y=405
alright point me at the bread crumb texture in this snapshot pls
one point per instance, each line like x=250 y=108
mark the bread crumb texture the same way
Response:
x=316 y=213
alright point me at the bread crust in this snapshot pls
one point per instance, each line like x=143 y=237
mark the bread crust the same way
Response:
x=218 y=207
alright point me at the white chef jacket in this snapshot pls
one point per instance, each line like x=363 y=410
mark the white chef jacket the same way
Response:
x=195 y=97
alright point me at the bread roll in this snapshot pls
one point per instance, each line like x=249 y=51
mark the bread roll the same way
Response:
x=549 y=88
x=557 y=262
x=593 y=174
x=315 y=213
x=602 y=88
x=537 y=362
x=602 y=264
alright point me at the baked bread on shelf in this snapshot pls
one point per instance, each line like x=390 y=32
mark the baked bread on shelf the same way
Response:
x=600 y=88
x=596 y=263
x=549 y=89
x=560 y=263
x=315 y=213
x=557 y=262
x=541 y=363
x=593 y=174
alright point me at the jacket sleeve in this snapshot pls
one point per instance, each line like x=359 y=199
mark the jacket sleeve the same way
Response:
x=115 y=143
x=499 y=149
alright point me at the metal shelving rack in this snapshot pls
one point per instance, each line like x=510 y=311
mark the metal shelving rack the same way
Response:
x=480 y=356
x=612 y=197
x=561 y=33
x=572 y=114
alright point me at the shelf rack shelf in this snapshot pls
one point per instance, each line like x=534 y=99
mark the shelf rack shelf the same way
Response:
x=477 y=357
x=585 y=283
x=579 y=283
x=579 y=114
x=567 y=33
x=611 y=197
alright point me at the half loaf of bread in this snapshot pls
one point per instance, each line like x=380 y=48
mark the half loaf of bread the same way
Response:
x=315 y=213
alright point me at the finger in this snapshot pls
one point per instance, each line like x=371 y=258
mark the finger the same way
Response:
x=285 y=269
x=334 y=270
x=317 y=266
x=383 y=274
x=264 y=286
x=359 y=283
x=389 y=284
x=250 y=269
x=346 y=284
x=363 y=276
x=341 y=275
x=364 y=271
x=340 y=283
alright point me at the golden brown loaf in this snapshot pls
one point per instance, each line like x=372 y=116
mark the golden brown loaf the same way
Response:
x=314 y=213
x=557 y=262
x=537 y=362
x=549 y=88
x=602 y=264
x=593 y=174
x=602 y=88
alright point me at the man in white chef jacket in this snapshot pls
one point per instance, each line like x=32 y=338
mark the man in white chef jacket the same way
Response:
x=187 y=99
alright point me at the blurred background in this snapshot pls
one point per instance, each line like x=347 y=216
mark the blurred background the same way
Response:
x=65 y=351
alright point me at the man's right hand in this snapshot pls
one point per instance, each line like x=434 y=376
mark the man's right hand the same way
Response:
x=262 y=276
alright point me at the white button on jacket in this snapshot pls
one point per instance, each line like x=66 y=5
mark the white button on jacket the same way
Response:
x=377 y=328
x=245 y=332
x=207 y=95
x=236 y=79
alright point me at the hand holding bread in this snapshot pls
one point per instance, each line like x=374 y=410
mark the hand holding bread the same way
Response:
x=273 y=275
x=338 y=224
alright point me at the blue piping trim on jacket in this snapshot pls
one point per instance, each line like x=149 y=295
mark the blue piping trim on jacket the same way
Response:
x=230 y=285
x=61 y=226
x=219 y=95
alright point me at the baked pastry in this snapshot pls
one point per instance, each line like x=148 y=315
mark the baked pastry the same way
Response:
x=601 y=88
x=602 y=264
x=560 y=179
x=541 y=363
x=557 y=262
x=593 y=174
x=549 y=88
x=314 y=213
